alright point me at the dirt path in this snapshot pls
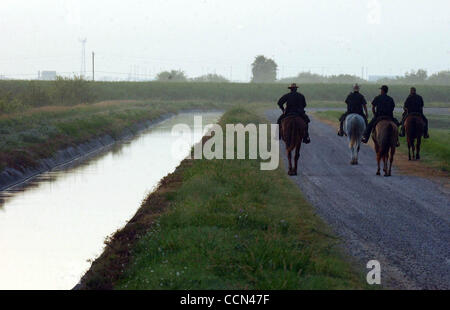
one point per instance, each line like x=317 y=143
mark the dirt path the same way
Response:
x=402 y=221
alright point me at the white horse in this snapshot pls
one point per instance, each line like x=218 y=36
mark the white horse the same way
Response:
x=354 y=126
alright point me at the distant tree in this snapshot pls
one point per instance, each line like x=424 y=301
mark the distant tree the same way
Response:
x=308 y=77
x=264 y=70
x=418 y=76
x=440 y=78
x=72 y=90
x=304 y=77
x=412 y=77
x=345 y=79
x=216 y=78
x=171 y=76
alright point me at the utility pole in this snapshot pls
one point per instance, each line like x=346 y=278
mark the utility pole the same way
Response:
x=93 y=66
x=83 y=57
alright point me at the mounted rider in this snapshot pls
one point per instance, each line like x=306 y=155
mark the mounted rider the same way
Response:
x=414 y=104
x=295 y=105
x=382 y=107
x=356 y=103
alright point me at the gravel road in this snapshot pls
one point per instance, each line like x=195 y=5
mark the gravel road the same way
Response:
x=432 y=111
x=402 y=221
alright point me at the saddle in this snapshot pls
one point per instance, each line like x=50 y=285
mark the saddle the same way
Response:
x=292 y=114
x=413 y=114
x=383 y=117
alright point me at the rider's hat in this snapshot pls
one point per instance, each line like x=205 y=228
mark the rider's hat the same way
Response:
x=384 y=88
x=293 y=86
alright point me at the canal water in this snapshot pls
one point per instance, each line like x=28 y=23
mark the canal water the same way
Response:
x=51 y=228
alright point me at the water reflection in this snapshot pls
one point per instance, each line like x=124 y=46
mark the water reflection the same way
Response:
x=51 y=227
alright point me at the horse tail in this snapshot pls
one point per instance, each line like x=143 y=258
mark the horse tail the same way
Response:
x=356 y=131
x=291 y=134
x=387 y=140
x=294 y=133
x=413 y=125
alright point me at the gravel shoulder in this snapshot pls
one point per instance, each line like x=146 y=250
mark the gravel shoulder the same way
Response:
x=403 y=221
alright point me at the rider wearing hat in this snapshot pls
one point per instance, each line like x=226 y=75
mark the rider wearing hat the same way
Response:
x=382 y=105
x=295 y=105
x=356 y=103
x=414 y=104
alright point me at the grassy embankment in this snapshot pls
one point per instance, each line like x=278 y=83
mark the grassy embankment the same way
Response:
x=224 y=224
x=435 y=151
x=38 y=133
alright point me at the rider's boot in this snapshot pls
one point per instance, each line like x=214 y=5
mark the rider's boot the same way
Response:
x=365 y=139
x=341 y=130
x=306 y=138
x=402 y=131
x=425 y=134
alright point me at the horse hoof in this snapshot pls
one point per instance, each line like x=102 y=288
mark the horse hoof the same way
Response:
x=378 y=172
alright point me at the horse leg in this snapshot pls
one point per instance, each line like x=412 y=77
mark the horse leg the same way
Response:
x=357 y=151
x=419 y=140
x=385 y=165
x=391 y=159
x=378 y=163
x=290 y=161
x=413 y=148
x=352 y=153
x=353 y=162
x=297 y=156
x=409 y=150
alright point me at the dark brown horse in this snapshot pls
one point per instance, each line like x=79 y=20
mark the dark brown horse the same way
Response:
x=385 y=137
x=414 y=127
x=293 y=129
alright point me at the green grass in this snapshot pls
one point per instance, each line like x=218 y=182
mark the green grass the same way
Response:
x=435 y=151
x=329 y=115
x=232 y=226
x=22 y=94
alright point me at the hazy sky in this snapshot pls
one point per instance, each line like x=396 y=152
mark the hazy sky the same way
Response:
x=207 y=36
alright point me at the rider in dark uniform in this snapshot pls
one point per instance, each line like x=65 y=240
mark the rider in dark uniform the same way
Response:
x=356 y=103
x=414 y=104
x=295 y=105
x=382 y=105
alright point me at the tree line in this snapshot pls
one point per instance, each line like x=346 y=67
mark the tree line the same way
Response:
x=264 y=70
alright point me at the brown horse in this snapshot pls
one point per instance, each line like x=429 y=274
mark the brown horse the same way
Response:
x=385 y=137
x=293 y=129
x=414 y=127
